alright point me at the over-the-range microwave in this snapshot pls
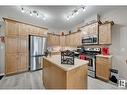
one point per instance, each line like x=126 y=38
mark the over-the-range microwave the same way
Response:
x=89 y=40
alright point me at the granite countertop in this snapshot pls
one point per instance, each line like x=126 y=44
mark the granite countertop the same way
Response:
x=106 y=56
x=56 y=60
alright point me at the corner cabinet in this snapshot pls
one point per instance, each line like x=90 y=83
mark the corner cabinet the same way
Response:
x=105 y=33
x=103 y=66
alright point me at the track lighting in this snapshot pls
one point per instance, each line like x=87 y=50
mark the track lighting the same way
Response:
x=76 y=12
x=33 y=13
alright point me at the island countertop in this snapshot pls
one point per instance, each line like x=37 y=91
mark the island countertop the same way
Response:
x=56 y=60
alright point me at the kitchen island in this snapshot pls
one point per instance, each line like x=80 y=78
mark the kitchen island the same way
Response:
x=62 y=76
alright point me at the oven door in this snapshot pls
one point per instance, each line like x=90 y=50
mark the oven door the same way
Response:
x=91 y=64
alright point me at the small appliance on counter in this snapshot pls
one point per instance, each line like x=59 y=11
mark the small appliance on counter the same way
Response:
x=67 y=57
x=105 y=51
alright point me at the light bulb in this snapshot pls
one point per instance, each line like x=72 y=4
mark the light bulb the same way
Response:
x=84 y=9
x=37 y=15
x=30 y=13
x=72 y=15
x=77 y=13
x=22 y=10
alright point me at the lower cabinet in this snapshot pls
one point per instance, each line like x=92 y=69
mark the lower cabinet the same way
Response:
x=23 y=62
x=103 y=66
x=16 y=63
x=11 y=63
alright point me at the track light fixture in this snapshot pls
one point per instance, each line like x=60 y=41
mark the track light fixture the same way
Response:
x=76 y=12
x=33 y=13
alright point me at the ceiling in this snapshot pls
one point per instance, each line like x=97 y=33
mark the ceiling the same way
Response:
x=56 y=15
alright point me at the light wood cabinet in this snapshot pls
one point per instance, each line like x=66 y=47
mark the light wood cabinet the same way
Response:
x=67 y=40
x=105 y=33
x=73 y=39
x=90 y=30
x=11 y=28
x=11 y=63
x=23 y=30
x=16 y=45
x=42 y=32
x=53 y=40
x=62 y=41
x=103 y=66
x=23 y=62
x=11 y=43
x=23 y=44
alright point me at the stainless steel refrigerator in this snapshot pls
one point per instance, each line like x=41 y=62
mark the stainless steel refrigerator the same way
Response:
x=37 y=48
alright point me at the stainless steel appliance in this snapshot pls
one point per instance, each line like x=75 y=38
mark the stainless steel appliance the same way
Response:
x=90 y=54
x=90 y=40
x=37 y=46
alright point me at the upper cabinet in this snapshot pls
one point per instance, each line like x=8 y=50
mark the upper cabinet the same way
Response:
x=62 y=41
x=53 y=40
x=90 y=30
x=105 y=33
x=73 y=39
x=11 y=28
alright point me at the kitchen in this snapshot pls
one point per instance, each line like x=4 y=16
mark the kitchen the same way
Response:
x=97 y=44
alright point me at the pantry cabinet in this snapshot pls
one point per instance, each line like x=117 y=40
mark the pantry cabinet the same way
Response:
x=11 y=43
x=103 y=66
x=16 y=45
x=23 y=62
x=105 y=33
x=11 y=60
x=11 y=28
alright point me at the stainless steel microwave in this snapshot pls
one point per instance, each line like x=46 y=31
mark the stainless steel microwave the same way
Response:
x=90 y=40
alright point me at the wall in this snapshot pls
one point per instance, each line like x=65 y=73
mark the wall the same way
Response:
x=2 y=51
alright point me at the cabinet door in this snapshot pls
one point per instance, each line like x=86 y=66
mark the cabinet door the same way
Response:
x=98 y=68
x=67 y=40
x=11 y=28
x=23 y=63
x=105 y=34
x=62 y=40
x=11 y=63
x=23 y=29
x=23 y=44
x=11 y=44
x=43 y=32
x=103 y=66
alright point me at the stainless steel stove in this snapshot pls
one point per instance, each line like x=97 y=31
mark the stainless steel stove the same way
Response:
x=90 y=54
